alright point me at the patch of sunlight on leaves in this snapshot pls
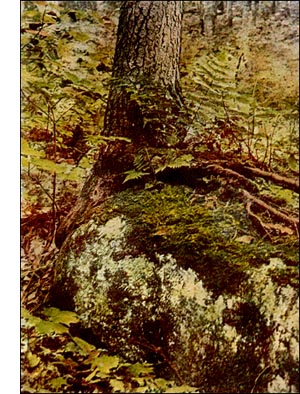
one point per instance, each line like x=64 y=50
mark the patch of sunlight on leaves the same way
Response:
x=57 y=383
x=58 y=316
x=293 y=163
x=181 y=161
x=79 y=35
x=105 y=364
x=85 y=347
x=75 y=174
x=50 y=165
x=117 y=385
x=141 y=369
x=181 y=389
x=27 y=389
x=162 y=383
x=132 y=175
x=33 y=359
x=28 y=151
x=41 y=326
x=46 y=328
x=84 y=163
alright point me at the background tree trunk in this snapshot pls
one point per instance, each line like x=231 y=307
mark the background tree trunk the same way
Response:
x=145 y=94
x=274 y=6
x=79 y=5
x=255 y=10
x=210 y=18
x=229 y=13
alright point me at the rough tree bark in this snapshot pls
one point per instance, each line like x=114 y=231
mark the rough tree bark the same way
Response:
x=229 y=13
x=144 y=102
x=145 y=92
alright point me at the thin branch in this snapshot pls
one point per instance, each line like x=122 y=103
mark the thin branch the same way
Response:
x=259 y=376
x=54 y=212
x=39 y=30
x=66 y=111
x=34 y=104
x=159 y=351
x=34 y=179
x=225 y=109
x=257 y=220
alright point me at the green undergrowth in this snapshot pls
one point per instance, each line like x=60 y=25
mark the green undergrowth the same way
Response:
x=65 y=72
x=56 y=360
x=244 y=96
x=202 y=232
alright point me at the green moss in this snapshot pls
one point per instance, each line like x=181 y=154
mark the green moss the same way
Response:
x=166 y=269
x=199 y=232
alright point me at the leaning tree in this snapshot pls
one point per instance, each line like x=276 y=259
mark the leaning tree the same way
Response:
x=144 y=105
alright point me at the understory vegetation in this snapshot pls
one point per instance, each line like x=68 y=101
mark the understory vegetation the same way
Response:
x=230 y=194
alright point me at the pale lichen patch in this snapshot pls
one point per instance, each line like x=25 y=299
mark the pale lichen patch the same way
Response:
x=130 y=292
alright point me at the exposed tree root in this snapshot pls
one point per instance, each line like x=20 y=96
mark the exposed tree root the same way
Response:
x=289 y=183
x=281 y=216
x=244 y=174
x=227 y=171
x=259 y=224
x=267 y=368
x=99 y=187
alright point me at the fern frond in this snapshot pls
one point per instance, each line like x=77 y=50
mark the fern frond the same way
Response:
x=133 y=175
x=181 y=161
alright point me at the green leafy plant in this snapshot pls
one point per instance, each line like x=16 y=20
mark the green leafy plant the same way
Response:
x=64 y=86
x=148 y=162
x=231 y=112
x=56 y=361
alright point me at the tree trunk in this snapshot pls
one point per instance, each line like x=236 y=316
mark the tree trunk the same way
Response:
x=274 y=7
x=248 y=5
x=255 y=10
x=144 y=102
x=145 y=98
x=211 y=8
x=79 y=5
x=229 y=13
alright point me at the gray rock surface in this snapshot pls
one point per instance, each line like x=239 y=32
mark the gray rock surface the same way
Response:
x=142 y=306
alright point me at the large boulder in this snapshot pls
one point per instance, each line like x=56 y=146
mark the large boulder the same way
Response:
x=176 y=276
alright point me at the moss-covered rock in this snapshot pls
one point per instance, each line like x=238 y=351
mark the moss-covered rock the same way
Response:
x=169 y=275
